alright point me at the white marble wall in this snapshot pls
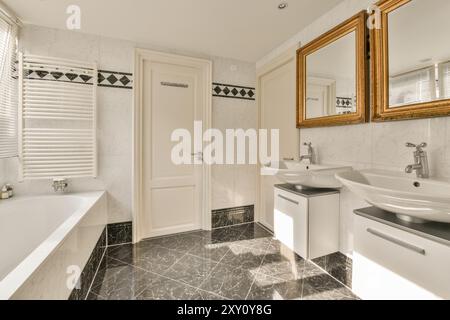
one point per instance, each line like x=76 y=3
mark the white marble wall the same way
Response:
x=372 y=145
x=115 y=121
x=234 y=185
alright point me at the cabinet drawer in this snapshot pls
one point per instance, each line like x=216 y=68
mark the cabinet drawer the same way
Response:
x=390 y=263
x=291 y=221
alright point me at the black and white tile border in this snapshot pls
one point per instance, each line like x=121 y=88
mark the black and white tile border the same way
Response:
x=58 y=76
x=232 y=91
x=114 y=79
x=111 y=79
x=344 y=102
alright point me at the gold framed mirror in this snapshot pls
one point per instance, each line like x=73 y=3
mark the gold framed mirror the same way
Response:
x=331 y=77
x=411 y=60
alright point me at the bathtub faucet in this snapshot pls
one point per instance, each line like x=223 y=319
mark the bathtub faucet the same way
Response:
x=60 y=185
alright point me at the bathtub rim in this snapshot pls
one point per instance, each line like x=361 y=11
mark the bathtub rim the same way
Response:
x=23 y=271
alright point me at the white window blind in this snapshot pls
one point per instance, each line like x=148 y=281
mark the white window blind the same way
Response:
x=444 y=80
x=8 y=89
x=412 y=87
x=57 y=118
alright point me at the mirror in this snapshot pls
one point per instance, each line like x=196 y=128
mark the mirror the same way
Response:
x=331 y=86
x=332 y=77
x=411 y=60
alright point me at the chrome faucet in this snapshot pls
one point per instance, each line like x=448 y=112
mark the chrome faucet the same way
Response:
x=310 y=155
x=60 y=185
x=420 y=161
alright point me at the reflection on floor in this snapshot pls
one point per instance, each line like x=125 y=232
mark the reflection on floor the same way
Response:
x=239 y=262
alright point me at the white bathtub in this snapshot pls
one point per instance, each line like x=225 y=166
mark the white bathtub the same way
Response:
x=41 y=237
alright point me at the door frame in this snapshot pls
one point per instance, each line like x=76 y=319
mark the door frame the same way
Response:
x=140 y=56
x=277 y=62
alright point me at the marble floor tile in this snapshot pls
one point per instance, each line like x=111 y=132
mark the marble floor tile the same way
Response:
x=93 y=296
x=182 y=242
x=204 y=295
x=228 y=234
x=167 y=289
x=123 y=282
x=255 y=231
x=338 y=265
x=268 y=288
x=229 y=282
x=207 y=250
x=321 y=285
x=191 y=270
x=153 y=258
x=238 y=262
x=243 y=257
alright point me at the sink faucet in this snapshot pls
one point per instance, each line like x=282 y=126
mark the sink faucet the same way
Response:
x=60 y=185
x=420 y=161
x=310 y=155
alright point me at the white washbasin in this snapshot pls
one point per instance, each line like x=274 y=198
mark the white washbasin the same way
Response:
x=412 y=199
x=301 y=174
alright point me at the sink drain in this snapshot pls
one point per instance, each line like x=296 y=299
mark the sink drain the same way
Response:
x=416 y=184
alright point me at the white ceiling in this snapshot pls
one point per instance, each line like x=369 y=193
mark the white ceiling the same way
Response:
x=240 y=29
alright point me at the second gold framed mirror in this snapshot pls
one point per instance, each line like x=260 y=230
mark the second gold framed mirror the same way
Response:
x=332 y=77
x=411 y=60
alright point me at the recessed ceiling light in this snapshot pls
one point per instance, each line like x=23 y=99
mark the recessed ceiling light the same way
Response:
x=283 y=5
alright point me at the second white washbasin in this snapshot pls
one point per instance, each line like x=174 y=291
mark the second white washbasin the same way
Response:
x=412 y=199
x=302 y=175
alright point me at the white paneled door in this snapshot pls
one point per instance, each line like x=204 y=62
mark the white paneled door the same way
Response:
x=174 y=91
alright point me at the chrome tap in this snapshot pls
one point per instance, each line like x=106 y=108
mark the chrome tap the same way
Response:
x=420 y=161
x=310 y=155
x=60 y=185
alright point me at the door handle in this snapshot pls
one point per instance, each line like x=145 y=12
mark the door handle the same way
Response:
x=287 y=199
x=396 y=241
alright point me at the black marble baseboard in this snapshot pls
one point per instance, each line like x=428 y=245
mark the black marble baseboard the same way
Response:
x=338 y=266
x=120 y=233
x=232 y=216
x=89 y=271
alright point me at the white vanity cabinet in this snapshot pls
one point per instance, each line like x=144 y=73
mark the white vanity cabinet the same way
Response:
x=307 y=221
x=396 y=260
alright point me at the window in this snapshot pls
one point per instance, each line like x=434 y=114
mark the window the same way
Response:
x=8 y=89
x=413 y=87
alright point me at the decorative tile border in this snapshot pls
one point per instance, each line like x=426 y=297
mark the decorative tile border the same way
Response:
x=114 y=79
x=111 y=79
x=120 y=233
x=89 y=271
x=58 y=76
x=232 y=216
x=232 y=91
x=346 y=103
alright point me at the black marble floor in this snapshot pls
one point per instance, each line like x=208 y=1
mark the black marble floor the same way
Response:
x=239 y=262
